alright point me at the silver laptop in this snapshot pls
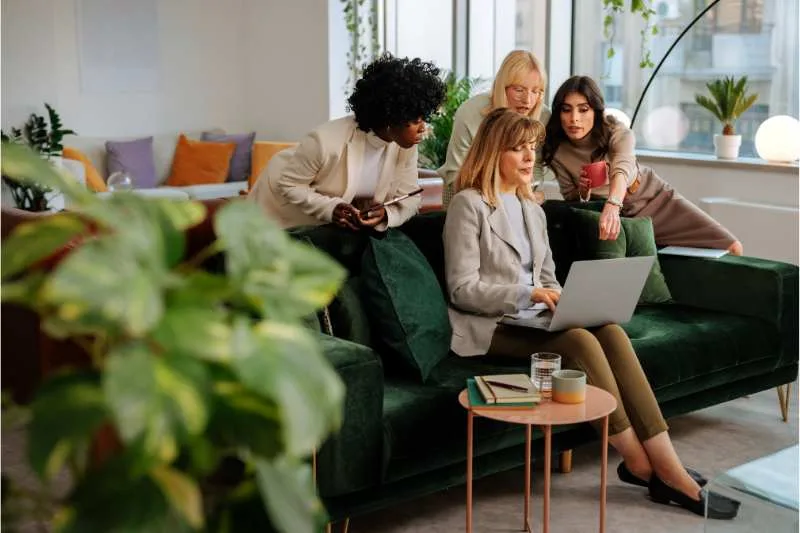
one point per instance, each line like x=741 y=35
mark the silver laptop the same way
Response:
x=597 y=292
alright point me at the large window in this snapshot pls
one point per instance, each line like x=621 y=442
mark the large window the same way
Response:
x=421 y=28
x=756 y=38
x=470 y=37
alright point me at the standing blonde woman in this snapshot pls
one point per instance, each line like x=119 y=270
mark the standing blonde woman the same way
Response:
x=518 y=85
x=498 y=261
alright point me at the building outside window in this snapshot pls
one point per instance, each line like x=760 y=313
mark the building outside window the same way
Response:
x=756 y=38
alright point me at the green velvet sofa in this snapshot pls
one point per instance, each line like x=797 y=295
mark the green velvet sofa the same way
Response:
x=732 y=330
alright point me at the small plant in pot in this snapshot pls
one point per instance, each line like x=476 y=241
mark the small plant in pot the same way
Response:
x=45 y=137
x=728 y=101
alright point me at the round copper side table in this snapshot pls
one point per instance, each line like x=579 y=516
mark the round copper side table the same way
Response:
x=598 y=405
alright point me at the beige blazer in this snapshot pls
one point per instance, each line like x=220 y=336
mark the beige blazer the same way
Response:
x=482 y=267
x=302 y=185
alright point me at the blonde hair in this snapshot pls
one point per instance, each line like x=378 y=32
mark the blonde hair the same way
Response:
x=516 y=65
x=503 y=129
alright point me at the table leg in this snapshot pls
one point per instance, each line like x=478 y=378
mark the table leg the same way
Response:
x=603 y=475
x=526 y=524
x=469 y=471
x=547 y=453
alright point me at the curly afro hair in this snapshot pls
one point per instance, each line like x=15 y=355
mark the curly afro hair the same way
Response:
x=394 y=92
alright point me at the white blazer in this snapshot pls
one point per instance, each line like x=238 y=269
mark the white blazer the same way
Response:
x=482 y=267
x=302 y=185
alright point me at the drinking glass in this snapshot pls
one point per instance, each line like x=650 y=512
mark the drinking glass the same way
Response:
x=543 y=364
x=119 y=181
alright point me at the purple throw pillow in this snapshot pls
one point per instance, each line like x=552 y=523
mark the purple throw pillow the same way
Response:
x=134 y=158
x=241 y=158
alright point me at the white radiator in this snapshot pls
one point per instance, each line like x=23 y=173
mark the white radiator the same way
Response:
x=765 y=230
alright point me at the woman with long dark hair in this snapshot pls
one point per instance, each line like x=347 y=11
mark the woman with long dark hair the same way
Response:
x=579 y=133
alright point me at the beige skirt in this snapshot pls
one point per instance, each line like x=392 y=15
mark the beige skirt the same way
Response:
x=676 y=220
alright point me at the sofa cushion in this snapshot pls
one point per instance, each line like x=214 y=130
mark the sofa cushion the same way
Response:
x=239 y=169
x=263 y=152
x=404 y=303
x=199 y=162
x=681 y=347
x=639 y=242
x=635 y=239
x=426 y=232
x=134 y=158
x=348 y=319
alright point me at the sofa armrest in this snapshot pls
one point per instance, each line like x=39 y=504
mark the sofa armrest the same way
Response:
x=748 y=286
x=351 y=459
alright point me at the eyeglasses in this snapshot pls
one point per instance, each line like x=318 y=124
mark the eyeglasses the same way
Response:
x=519 y=91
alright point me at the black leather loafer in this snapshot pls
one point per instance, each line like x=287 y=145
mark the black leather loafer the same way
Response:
x=626 y=476
x=719 y=506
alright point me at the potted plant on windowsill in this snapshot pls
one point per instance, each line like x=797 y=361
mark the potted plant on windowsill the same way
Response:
x=188 y=369
x=45 y=137
x=728 y=100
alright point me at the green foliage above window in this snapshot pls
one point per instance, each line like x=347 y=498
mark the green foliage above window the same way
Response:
x=616 y=8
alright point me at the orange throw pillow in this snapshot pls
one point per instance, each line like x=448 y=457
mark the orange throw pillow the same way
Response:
x=262 y=153
x=94 y=181
x=200 y=162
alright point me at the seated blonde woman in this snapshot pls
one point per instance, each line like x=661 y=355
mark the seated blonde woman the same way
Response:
x=498 y=261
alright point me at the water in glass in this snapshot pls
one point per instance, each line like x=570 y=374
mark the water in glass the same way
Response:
x=543 y=364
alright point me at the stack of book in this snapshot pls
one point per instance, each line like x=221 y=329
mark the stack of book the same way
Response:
x=502 y=390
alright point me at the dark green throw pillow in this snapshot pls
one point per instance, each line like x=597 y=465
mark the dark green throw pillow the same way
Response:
x=635 y=239
x=640 y=241
x=404 y=303
x=348 y=319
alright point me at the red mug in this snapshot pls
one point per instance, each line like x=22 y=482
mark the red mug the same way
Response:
x=597 y=173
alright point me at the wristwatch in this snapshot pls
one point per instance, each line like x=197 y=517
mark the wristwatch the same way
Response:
x=614 y=200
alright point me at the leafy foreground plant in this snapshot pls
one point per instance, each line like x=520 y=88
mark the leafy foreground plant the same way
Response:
x=191 y=370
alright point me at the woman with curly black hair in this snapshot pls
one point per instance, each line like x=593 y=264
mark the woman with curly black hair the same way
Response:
x=346 y=166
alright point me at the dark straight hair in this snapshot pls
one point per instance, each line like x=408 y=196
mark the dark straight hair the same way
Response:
x=555 y=134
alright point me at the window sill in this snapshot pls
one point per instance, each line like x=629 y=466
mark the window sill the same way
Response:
x=745 y=163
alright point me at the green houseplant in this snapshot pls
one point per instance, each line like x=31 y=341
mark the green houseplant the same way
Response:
x=191 y=368
x=433 y=149
x=44 y=136
x=613 y=9
x=727 y=100
x=359 y=29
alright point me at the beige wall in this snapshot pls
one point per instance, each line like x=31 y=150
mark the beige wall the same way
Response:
x=235 y=64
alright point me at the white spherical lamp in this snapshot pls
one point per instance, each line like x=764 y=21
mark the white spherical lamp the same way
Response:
x=620 y=115
x=778 y=139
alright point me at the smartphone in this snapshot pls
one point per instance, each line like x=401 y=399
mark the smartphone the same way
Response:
x=365 y=212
